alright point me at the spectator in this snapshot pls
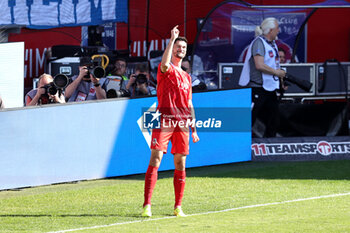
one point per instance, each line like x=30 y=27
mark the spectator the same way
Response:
x=41 y=95
x=85 y=86
x=197 y=85
x=282 y=55
x=117 y=80
x=120 y=69
x=139 y=83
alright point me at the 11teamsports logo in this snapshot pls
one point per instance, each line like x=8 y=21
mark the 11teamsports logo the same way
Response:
x=324 y=148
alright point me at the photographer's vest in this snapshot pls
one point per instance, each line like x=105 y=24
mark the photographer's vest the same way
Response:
x=270 y=82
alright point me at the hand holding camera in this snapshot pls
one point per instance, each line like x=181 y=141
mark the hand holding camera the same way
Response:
x=142 y=84
x=92 y=72
x=42 y=90
x=132 y=79
x=138 y=79
x=280 y=73
x=57 y=98
x=84 y=72
x=141 y=79
x=53 y=90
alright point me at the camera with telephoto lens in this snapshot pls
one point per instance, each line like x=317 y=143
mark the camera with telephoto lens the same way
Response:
x=112 y=93
x=60 y=82
x=302 y=84
x=95 y=69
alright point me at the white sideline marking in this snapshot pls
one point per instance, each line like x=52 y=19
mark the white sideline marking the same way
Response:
x=210 y=212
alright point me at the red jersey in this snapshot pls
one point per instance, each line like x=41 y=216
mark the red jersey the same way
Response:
x=174 y=90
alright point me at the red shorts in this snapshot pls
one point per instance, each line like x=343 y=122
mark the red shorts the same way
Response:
x=179 y=137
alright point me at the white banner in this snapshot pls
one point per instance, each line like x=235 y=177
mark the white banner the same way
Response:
x=60 y=13
x=11 y=74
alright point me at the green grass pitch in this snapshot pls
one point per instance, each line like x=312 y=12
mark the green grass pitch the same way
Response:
x=241 y=197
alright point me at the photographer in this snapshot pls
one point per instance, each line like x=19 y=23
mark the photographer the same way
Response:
x=41 y=95
x=85 y=86
x=261 y=72
x=117 y=80
x=139 y=83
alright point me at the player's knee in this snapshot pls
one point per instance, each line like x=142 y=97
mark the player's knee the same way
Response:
x=180 y=167
x=156 y=158
x=180 y=162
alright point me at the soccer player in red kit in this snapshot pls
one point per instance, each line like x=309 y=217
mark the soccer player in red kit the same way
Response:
x=174 y=94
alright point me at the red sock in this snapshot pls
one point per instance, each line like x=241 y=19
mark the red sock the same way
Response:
x=179 y=186
x=150 y=182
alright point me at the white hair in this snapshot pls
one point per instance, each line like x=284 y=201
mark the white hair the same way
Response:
x=265 y=26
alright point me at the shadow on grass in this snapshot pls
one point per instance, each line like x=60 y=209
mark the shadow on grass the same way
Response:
x=321 y=170
x=68 y=215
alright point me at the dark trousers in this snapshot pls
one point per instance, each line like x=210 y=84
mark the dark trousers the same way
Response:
x=265 y=107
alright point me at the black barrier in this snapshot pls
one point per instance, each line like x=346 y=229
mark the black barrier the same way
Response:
x=301 y=148
x=327 y=119
x=300 y=120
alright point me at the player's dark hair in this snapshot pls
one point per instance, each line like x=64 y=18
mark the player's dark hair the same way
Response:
x=180 y=38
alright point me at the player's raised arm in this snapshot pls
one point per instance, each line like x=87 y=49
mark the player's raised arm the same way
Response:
x=165 y=64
